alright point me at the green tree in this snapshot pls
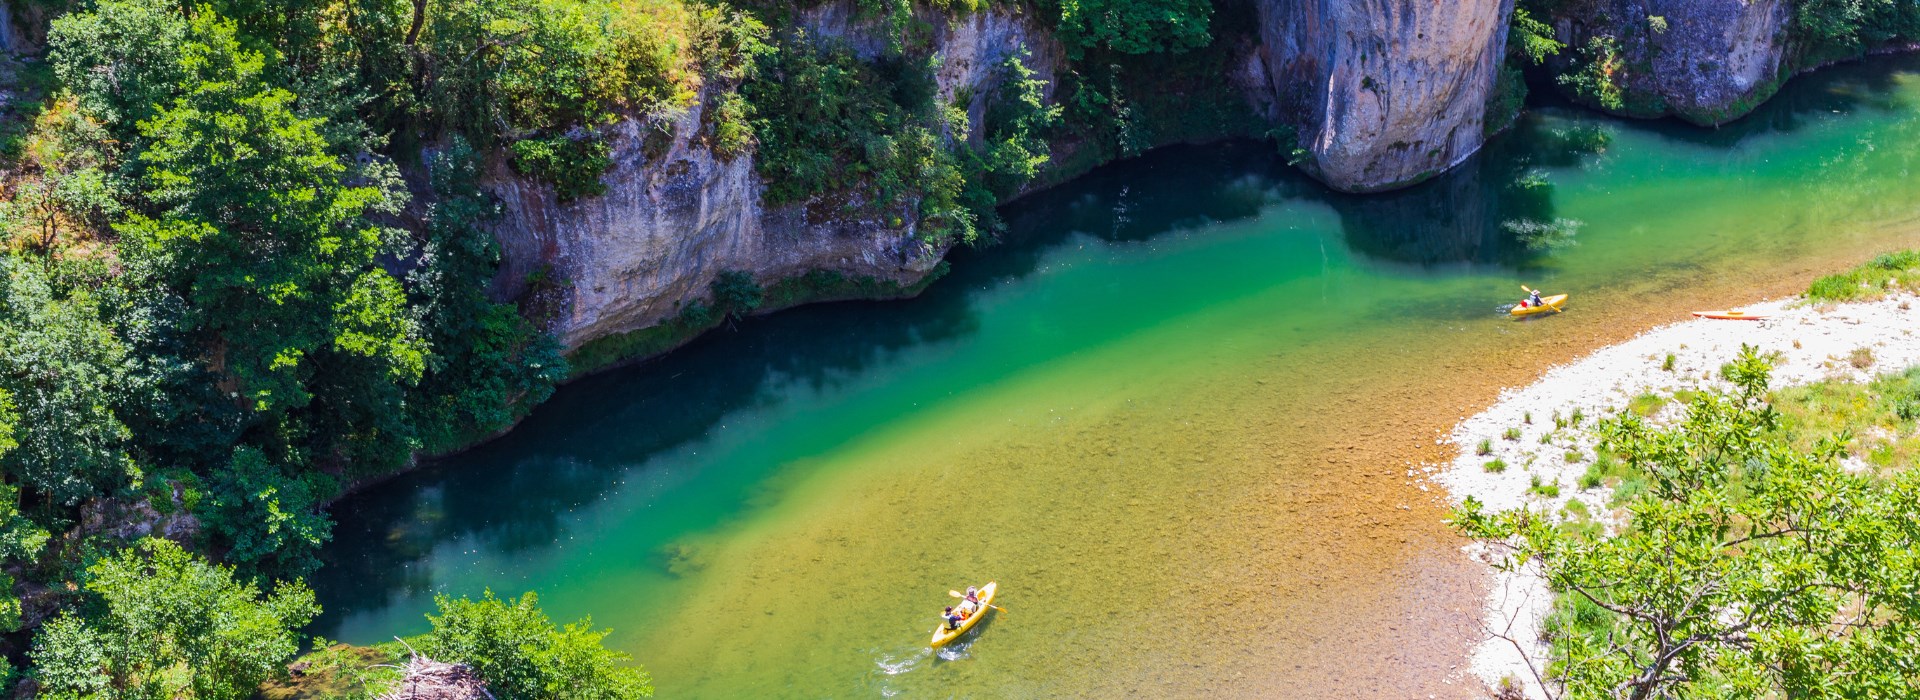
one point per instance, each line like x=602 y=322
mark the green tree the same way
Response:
x=1745 y=569
x=1832 y=29
x=170 y=625
x=62 y=366
x=20 y=538
x=1133 y=26
x=487 y=360
x=121 y=60
x=1018 y=122
x=1529 y=39
x=521 y=655
x=264 y=232
x=267 y=518
x=828 y=122
x=1597 y=72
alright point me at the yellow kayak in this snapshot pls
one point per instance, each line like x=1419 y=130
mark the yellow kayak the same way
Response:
x=1734 y=315
x=1552 y=303
x=942 y=635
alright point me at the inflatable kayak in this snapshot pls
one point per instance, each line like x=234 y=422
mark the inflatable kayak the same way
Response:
x=942 y=635
x=1732 y=315
x=1552 y=303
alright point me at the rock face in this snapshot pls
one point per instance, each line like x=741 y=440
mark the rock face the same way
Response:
x=667 y=227
x=6 y=27
x=1705 y=61
x=670 y=222
x=1382 y=93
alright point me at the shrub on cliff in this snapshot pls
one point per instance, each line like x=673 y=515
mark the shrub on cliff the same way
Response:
x=487 y=363
x=1131 y=26
x=1824 y=30
x=834 y=127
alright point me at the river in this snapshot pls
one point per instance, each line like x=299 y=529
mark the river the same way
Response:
x=1177 y=412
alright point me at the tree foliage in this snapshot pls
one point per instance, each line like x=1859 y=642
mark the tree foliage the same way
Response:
x=522 y=655
x=1530 y=39
x=1832 y=29
x=62 y=366
x=266 y=515
x=487 y=361
x=169 y=625
x=264 y=231
x=1745 y=569
x=1132 y=26
x=1595 y=76
x=830 y=123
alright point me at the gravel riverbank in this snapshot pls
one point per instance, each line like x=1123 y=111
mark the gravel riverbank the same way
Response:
x=1538 y=432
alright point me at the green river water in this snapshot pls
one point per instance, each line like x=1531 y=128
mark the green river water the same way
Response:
x=1172 y=413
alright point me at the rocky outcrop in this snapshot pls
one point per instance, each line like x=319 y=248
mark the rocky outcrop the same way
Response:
x=666 y=227
x=672 y=219
x=1705 y=61
x=1382 y=93
x=970 y=47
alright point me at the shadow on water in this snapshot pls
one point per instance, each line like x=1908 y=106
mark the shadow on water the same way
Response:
x=517 y=494
x=1496 y=209
x=514 y=494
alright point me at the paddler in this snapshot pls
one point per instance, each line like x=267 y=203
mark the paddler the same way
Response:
x=971 y=603
x=953 y=618
x=1533 y=300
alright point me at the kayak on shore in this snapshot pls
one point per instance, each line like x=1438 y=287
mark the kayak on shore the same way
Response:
x=942 y=635
x=1730 y=315
x=1547 y=304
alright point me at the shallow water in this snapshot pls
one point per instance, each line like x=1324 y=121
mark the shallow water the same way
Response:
x=1173 y=413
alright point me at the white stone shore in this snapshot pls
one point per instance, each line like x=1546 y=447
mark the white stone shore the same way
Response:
x=1812 y=342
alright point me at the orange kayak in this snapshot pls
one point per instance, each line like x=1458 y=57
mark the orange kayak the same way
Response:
x=1731 y=315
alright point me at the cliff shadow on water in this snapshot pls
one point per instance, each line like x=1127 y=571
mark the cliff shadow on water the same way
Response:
x=518 y=495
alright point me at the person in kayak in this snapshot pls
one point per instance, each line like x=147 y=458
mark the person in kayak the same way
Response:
x=953 y=618
x=971 y=603
x=1533 y=299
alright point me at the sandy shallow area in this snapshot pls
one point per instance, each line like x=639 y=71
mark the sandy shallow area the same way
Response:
x=1811 y=343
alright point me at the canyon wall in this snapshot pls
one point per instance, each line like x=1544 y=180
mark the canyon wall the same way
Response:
x=1704 y=61
x=1382 y=93
x=1375 y=95
x=671 y=220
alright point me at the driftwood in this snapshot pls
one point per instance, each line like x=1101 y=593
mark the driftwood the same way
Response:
x=427 y=679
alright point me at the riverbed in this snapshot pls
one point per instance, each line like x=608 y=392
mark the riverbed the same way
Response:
x=1172 y=412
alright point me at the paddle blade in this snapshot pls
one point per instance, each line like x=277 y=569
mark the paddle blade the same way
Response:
x=955 y=594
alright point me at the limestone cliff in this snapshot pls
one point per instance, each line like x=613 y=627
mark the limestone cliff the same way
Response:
x=1705 y=61
x=1382 y=93
x=673 y=219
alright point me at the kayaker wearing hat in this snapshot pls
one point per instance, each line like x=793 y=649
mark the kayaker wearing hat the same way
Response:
x=953 y=619
x=1533 y=299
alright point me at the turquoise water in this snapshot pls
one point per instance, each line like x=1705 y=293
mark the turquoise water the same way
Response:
x=1169 y=412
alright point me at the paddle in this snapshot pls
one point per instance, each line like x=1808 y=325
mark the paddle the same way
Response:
x=957 y=594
